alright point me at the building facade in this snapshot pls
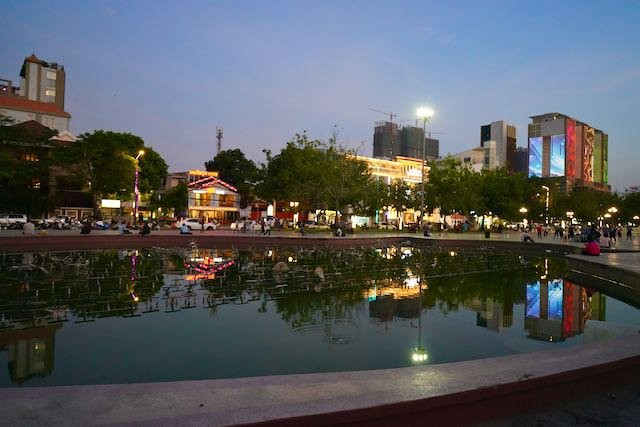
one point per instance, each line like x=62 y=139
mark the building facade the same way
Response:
x=40 y=96
x=570 y=150
x=504 y=136
x=391 y=141
x=209 y=196
x=473 y=158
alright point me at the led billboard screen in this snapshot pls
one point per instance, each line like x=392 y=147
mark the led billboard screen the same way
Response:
x=535 y=157
x=533 y=300
x=556 y=167
x=555 y=299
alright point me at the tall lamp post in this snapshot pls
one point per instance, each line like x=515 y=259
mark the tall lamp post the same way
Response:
x=546 y=206
x=424 y=113
x=136 y=190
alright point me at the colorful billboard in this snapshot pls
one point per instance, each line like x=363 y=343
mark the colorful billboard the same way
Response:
x=556 y=167
x=535 y=156
x=555 y=299
x=571 y=149
x=605 y=158
x=533 y=300
x=588 y=136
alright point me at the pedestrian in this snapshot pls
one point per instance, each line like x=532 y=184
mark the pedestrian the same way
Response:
x=267 y=228
x=145 y=231
x=184 y=229
x=539 y=231
x=545 y=231
x=526 y=237
x=29 y=229
x=619 y=229
x=202 y=224
x=262 y=229
x=629 y=232
x=612 y=234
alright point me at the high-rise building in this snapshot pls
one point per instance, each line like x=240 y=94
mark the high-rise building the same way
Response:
x=386 y=140
x=504 y=136
x=521 y=159
x=568 y=149
x=391 y=141
x=432 y=148
x=40 y=96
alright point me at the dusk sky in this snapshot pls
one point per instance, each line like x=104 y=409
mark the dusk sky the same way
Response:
x=171 y=72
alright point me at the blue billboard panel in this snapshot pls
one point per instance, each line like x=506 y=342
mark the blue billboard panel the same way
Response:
x=556 y=164
x=555 y=299
x=535 y=156
x=533 y=300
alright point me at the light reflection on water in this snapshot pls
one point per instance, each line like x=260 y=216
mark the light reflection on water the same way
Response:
x=193 y=313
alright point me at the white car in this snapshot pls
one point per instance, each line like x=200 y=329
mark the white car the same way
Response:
x=194 y=224
x=246 y=225
x=6 y=219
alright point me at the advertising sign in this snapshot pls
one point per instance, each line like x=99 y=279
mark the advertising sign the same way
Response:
x=535 y=157
x=557 y=155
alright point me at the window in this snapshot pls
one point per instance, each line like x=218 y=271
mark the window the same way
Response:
x=50 y=91
x=51 y=75
x=49 y=122
x=30 y=157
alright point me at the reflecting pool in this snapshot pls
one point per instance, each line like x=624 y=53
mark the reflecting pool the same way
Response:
x=124 y=316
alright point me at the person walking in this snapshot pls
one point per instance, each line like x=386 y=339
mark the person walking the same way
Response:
x=629 y=232
x=267 y=228
x=202 y=224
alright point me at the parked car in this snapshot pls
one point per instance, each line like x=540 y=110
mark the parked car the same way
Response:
x=194 y=224
x=6 y=219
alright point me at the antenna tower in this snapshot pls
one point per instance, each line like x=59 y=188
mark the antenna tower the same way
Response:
x=219 y=137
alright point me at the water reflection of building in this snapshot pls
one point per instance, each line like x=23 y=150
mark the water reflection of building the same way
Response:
x=31 y=351
x=492 y=314
x=555 y=310
x=388 y=302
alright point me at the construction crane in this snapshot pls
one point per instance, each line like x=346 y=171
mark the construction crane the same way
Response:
x=391 y=115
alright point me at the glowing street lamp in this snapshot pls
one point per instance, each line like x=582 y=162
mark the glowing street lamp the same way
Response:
x=425 y=114
x=419 y=353
x=136 y=190
x=612 y=210
x=523 y=210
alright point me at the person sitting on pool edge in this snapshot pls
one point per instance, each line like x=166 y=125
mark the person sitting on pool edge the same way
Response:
x=184 y=229
x=591 y=248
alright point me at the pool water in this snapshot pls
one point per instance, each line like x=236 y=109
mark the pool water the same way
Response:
x=124 y=316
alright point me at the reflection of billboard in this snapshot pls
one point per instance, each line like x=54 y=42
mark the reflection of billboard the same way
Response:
x=555 y=299
x=535 y=157
x=533 y=300
x=556 y=167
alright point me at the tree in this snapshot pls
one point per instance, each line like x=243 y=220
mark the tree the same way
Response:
x=318 y=175
x=400 y=196
x=24 y=168
x=105 y=161
x=234 y=168
x=502 y=193
x=153 y=170
x=630 y=206
x=175 y=198
x=451 y=187
x=375 y=198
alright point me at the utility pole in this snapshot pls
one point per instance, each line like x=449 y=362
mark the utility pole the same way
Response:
x=219 y=137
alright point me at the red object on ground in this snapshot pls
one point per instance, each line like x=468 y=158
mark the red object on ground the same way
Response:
x=591 y=248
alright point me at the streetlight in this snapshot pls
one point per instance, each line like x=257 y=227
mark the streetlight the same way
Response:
x=419 y=353
x=424 y=113
x=546 y=205
x=136 y=191
x=523 y=210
